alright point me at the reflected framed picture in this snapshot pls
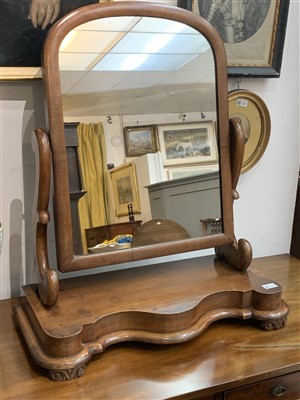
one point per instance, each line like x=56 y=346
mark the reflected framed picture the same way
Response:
x=125 y=189
x=253 y=32
x=140 y=140
x=188 y=143
x=185 y=172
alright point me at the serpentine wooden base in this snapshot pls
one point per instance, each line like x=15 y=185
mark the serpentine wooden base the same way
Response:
x=163 y=303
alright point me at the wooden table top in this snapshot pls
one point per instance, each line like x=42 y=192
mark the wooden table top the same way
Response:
x=230 y=353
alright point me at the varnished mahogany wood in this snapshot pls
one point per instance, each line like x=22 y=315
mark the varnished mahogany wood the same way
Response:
x=166 y=303
x=48 y=288
x=286 y=387
x=227 y=356
x=66 y=259
x=237 y=145
x=239 y=253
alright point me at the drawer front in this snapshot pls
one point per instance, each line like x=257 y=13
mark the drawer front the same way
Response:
x=95 y=236
x=123 y=229
x=91 y=238
x=286 y=387
x=102 y=235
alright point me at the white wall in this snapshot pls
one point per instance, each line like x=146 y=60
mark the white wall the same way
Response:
x=21 y=112
x=263 y=215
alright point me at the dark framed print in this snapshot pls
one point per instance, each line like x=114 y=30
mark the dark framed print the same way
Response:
x=140 y=140
x=253 y=32
x=23 y=29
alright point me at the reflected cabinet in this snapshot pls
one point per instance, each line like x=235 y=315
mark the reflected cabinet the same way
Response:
x=175 y=200
x=99 y=234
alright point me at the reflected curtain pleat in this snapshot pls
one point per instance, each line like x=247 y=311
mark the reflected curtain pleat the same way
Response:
x=93 y=206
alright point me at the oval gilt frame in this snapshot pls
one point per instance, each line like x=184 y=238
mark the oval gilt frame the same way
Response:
x=255 y=120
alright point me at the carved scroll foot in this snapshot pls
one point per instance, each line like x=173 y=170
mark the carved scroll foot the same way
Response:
x=271 y=319
x=238 y=254
x=273 y=324
x=66 y=374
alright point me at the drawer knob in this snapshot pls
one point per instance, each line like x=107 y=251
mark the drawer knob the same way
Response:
x=278 y=391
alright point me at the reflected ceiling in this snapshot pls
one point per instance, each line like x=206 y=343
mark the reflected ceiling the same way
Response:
x=127 y=65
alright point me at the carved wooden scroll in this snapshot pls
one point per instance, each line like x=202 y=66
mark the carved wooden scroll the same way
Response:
x=238 y=254
x=48 y=288
x=237 y=147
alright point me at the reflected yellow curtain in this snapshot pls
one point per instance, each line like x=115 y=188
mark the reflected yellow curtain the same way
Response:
x=93 y=206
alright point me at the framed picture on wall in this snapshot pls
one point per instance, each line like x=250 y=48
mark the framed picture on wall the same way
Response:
x=23 y=29
x=140 y=140
x=188 y=143
x=253 y=32
x=125 y=189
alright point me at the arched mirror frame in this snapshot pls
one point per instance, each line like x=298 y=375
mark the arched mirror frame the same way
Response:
x=66 y=259
x=87 y=318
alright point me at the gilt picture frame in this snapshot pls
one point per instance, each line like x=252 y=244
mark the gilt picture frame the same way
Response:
x=140 y=140
x=188 y=143
x=255 y=119
x=22 y=38
x=125 y=189
x=253 y=33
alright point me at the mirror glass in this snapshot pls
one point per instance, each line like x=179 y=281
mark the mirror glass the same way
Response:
x=145 y=71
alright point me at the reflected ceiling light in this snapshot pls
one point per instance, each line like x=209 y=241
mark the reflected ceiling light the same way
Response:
x=151 y=46
x=117 y=51
x=158 y=43
x=67 y=40
x=143 y=62
x=161 y=25
x=133 y=61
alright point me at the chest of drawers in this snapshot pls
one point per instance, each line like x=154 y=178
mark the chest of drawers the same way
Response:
x=99 y=234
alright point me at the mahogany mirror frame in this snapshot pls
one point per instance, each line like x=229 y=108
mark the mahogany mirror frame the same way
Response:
x=97 y=311
x=66 y=260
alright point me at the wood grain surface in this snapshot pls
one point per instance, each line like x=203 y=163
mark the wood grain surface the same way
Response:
x=229 y=354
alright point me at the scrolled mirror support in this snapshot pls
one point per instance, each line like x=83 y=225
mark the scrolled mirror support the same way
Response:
x=237 y=147
x=48 y=288
x=87 y=319
x=239 y=253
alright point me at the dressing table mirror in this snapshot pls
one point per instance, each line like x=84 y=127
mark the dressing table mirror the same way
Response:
x=65 y=322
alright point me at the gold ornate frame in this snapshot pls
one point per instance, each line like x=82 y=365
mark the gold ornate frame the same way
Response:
x=148 y=143
x=125 y=189
x=256 y=123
